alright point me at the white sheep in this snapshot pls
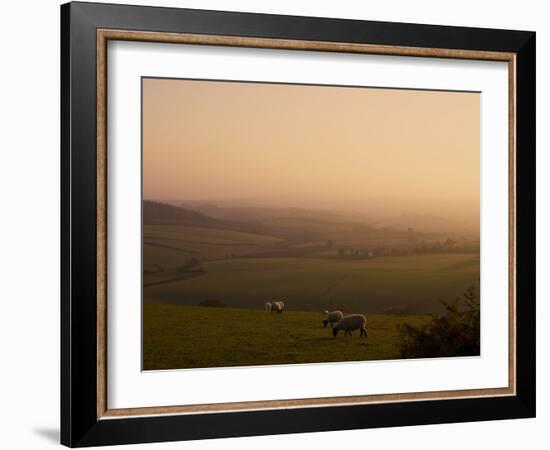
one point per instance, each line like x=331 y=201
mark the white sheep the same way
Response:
x=351 y=323
x=277 y=307
x=333 y=317
x=267 y=306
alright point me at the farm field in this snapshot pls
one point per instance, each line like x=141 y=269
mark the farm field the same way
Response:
x=192 y=337
x=406 y=284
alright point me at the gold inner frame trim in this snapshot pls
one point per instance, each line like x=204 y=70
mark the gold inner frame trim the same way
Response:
x=103 y=36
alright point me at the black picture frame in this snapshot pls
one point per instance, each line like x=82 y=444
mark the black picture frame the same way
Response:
x=80 y=425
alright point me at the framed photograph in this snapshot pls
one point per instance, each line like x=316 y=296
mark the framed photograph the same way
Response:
x=277 y=224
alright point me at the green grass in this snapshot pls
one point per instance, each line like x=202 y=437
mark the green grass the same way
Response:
x=176 y=337
x=410 y=283
x=168 y=252
x=211 y=235
x=170 y=245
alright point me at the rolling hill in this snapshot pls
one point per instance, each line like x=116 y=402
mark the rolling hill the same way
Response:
x=155 y=213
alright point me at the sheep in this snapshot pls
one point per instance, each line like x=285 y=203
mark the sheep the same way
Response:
x=267 y=306
x=277 y=307
x=351 y=323
x=332 y=317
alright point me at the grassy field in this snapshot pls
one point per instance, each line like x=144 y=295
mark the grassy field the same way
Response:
x=191 y=337
x=377 y=285
x=168 y=245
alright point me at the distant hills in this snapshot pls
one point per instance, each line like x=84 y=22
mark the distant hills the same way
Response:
x=155 y=213
x=295 y=224
x=431 y=223
x=291 y=224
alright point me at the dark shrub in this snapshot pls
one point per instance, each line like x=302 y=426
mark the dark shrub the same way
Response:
x=455 y=333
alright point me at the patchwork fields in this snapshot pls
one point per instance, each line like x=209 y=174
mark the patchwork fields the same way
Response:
x=229 y=268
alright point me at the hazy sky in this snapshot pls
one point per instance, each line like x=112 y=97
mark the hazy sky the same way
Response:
x=308 y=145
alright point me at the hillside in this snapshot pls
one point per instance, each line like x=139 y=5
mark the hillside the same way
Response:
x=155 y=213
x=295 y=224
x=178 y=337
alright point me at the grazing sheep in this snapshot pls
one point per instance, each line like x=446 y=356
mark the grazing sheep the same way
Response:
x=277 y=307
x=267 y=306
x=333 y=317
x=351 y=323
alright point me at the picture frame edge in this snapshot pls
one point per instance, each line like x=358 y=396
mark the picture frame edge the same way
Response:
x=81 y=418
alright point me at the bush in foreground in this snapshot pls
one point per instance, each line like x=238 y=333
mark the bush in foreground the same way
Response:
x=455 y=333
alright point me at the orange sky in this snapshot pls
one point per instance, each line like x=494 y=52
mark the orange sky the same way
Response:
x=309 y=146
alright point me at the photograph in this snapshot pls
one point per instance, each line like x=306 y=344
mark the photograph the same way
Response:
x=297 y=224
